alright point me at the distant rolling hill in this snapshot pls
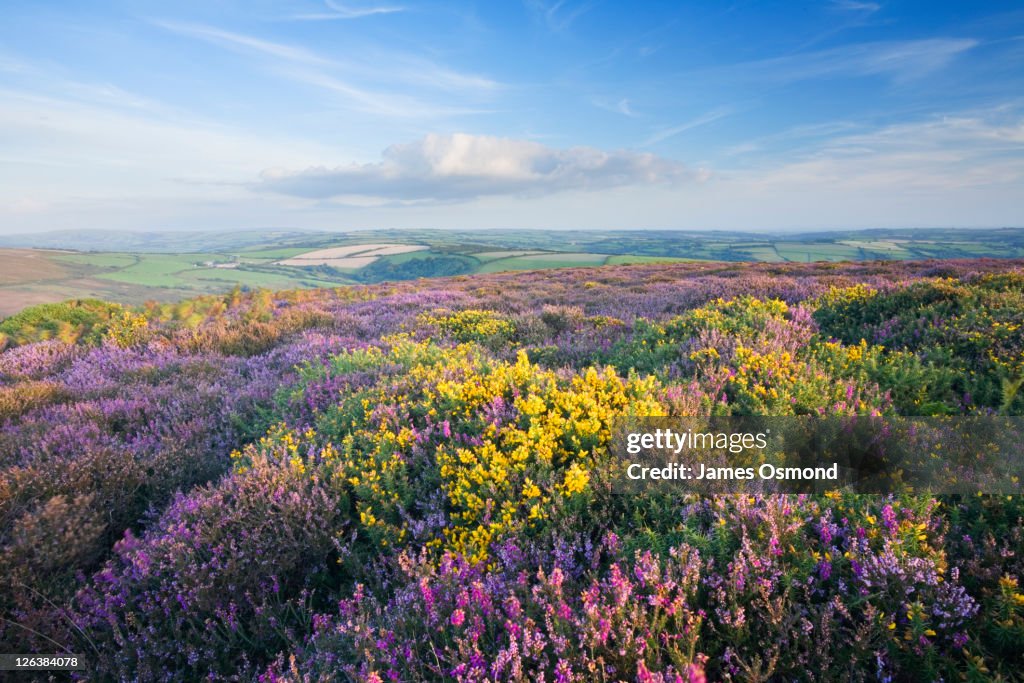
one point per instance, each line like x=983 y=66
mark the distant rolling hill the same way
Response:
x=132 y=267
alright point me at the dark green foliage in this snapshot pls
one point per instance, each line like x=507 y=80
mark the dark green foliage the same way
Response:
x=963 y=339
x=430 y=266
x=83 y=320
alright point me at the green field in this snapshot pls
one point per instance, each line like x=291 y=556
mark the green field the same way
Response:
x=408 y=256
x=508 y=253
x=272 y=254
x=628 y=260
x=767 y=254
x=817 y=252
x=221 y=277
x=540 y=261
x=158 y=270
x=113 y=260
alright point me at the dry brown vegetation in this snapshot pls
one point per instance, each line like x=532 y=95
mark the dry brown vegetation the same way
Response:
x=22 y=266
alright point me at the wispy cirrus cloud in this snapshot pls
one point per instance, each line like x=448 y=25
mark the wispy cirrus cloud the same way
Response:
x=391 y=83
x=792 y=137
x=944 y=153
x=846 y=14
x=671 y=131
x=899 y=60
x=11 y=65
x=396 y=105
x=621 y=106
x=342 y=11
x=462 y=167
x=241 y=42
x=856 y=6
x=557 y=16
x=103 y=148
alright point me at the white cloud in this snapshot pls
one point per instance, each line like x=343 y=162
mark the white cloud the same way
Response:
x=462 y=167
x=950 y=153
x=622 y=106
x=61 y=149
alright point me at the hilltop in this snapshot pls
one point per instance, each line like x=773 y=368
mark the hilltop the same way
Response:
x=405 y=481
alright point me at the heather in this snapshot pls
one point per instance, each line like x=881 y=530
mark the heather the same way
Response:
x=409 y=481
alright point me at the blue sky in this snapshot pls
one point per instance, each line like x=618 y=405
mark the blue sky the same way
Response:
x=533 y=114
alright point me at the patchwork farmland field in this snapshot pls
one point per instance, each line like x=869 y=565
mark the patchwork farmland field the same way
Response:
x=351 y=257
x=168 y=267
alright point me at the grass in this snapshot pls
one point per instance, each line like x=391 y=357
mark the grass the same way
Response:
x=541 y=261
x=764 y=253
x=409 y=256
x=508 y=253
x=181 y=271
x=626 y=260
x=98 y=260
x=161 y=270
x=218 y=278
x=272 y=254
x=817 y=252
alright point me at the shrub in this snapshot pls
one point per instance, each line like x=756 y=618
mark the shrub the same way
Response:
x=226 y=577
x=83 y=320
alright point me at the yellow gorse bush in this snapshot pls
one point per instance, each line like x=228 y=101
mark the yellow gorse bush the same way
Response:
x=517 y=473
x=469 y=324
x=533 y=465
